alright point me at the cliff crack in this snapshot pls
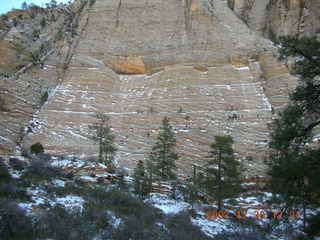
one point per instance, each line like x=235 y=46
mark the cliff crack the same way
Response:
x=187 y=15
x=118 y=14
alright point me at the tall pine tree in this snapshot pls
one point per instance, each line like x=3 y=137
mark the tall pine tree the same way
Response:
x=192 y=187
x=103 y=136
x=295 y=164
x=163 y=155
x=141 y=181
x=222 y=176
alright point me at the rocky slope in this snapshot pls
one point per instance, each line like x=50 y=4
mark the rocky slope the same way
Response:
x=274 y=18
x=193 y=61
x=36 y=46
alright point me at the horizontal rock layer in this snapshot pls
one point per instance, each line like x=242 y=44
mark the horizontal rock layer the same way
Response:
x=24 y=83
x=193 y=61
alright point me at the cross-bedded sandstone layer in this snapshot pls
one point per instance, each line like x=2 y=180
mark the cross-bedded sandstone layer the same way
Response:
x=193 y=61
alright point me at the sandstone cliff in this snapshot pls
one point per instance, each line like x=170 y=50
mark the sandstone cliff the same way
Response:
x=274 y=18
x=36 y=46
x=194 y=61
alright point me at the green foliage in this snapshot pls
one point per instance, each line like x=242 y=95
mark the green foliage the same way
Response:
x=192 y=187
x=37 y=148
x=60 y=224
x=17 y=164
x=95 y=219
x=52 y=4
x=66 y=190
x=24 y=6
x=60 y=33
x=14 y=224
x=272 y=35
x=44 y=98
x=4 y=17
x=163 y=155
x=141 y=181
x=33 y=10
x=294 y=162
x=120 y=202
x=4 y=172
x=222 y=177
x=15 y=22
x=308 y=52
x=9 y=187
x=104 y=137
x=288 y=130
x=313 y=228
x=36 y=34
x=12 y=190
x=41 y=170
x=181 y=227
x=43 y=22
x=36 y=57
x=92 y=2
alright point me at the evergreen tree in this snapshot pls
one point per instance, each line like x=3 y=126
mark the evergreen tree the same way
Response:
x=141 y=185
x=295 y=164
x=104 y=137
x=163 y=155
x=24 y=6
x=222 y=177
x=4 y=172
x=192 y=187
x=149 y=170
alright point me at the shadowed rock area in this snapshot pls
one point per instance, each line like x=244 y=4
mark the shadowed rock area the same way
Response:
x=275 y=18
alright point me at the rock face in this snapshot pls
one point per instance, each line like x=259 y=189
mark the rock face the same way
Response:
x=274 y=18
x=194 y=61
x=25 y=84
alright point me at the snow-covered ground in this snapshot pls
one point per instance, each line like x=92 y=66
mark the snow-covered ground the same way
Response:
x=76 y=163
x=168 y=206
x=252 y=206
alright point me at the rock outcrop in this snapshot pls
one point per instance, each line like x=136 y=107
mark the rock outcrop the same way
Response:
x=274 y=18
x=35 y=48
x=194 y=61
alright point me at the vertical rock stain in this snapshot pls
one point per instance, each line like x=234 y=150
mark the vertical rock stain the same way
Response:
x=118 y=14
x=187 y=14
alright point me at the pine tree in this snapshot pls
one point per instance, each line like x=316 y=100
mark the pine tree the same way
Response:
x=163 y=155
x=24 y=5
x=141 y=186
x=192 y=187
x=149 y=170
x=222 y=177
x=295 y=165
x=104 y=137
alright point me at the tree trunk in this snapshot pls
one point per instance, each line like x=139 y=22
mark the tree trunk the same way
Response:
x=100 y=143
x=219 y=182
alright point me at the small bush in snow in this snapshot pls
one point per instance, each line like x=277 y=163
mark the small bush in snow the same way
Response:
x=12 y=191
x=40 y=169
x=180 y=227
x=60 y=224
x=36 y=148
x=17 y=164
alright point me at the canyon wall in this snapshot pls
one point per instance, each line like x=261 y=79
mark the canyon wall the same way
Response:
x=195 y=62
x=36 y=46
x=275 y=18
